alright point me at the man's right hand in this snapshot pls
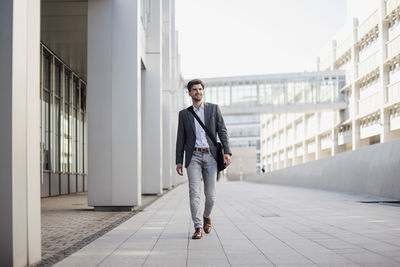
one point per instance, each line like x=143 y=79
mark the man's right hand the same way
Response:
x=179 y=169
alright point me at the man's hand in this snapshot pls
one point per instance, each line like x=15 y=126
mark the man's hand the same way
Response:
x=179 y=169
x=227 y=159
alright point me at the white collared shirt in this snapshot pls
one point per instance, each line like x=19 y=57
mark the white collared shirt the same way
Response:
x=201 y=139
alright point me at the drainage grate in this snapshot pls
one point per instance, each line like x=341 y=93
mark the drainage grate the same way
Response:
x=269 y=215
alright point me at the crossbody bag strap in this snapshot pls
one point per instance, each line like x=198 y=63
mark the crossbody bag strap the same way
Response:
x=203 y=126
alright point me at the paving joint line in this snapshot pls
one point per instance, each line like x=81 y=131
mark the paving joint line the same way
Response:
x=220 y=242
x=247 y=237
x=188 y=241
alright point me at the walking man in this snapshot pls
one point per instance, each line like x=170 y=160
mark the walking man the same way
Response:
x=200 y=153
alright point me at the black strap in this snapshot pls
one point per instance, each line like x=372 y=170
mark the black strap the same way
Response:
x=203 y=126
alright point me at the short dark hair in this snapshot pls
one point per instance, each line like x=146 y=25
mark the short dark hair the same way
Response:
x=193 y=82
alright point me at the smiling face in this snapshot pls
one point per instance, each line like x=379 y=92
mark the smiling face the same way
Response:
x=196 y=92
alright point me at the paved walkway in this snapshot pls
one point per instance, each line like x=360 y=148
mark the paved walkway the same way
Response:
x=254 y=224
x=68 y=224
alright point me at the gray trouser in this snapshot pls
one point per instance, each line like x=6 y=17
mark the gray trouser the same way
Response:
x=202 y=167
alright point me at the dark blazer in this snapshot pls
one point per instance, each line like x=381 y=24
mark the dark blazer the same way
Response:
x=186 y=137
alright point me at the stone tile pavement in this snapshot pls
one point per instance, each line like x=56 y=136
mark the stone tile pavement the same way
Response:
x=68 y=223
x=254 y=224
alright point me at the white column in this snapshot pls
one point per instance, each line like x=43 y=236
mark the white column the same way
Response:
x=334 y=46
x=285 y=154
x=173 y=84
x=168 y=149
x=20 y=243
x=317 y=137
x=383 y=72
x=355 y=90
x=294 y=161
x=174 y=127
x=152 y=106
x=317 y=147
x=334 y=138
x=114 y=107
x=304 y=143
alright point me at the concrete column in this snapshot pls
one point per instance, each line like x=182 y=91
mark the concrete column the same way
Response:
x=152 y=106
x=317 y=138
x=305 y=150
x=114 y=106
x=285 y=162
x=334 y=46
x=174 y=126
x=20 y=243
x=168 y=149
x=317 y=147
x=355 y=90
x=384 y=73
x=294 y=161
x=334 y=145
x=355 y=134
x=173 y=89
x=334 y=138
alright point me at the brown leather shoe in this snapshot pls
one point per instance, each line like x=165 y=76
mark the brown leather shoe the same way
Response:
x=207 y=225
x=198 y=233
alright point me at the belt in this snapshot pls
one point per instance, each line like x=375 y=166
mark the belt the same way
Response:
x=200 y=149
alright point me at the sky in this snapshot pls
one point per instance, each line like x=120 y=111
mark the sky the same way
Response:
x=219 y=38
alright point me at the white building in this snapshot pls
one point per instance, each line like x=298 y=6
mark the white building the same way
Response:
x=368 y=50
x=88 y=102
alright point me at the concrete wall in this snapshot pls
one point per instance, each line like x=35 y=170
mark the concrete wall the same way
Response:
x=373 y=170
x=243 y=164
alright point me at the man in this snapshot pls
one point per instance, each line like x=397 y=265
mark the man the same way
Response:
x=200 y=153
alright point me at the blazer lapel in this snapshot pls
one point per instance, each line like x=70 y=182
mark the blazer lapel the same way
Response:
x=191 y=121
x=207 y=114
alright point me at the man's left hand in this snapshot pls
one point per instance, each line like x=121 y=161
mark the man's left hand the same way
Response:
x=227 y=159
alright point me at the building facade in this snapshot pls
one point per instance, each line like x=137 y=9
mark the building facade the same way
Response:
x=368 y=51
x=89 y=102
x=289 y=138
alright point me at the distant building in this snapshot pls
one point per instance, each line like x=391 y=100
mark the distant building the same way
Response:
x=368 y=51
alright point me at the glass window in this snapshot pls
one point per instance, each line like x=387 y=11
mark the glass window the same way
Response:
x=57 y=116
x=45 y=103
x=46 y=70
x=75 y=127
x=63 y=117
x=66 y=136
x=45 y=112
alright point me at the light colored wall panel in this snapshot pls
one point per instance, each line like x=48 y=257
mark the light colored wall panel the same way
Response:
x=370 y=170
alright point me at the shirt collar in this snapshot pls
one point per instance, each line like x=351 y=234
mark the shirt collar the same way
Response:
x=201 y=107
